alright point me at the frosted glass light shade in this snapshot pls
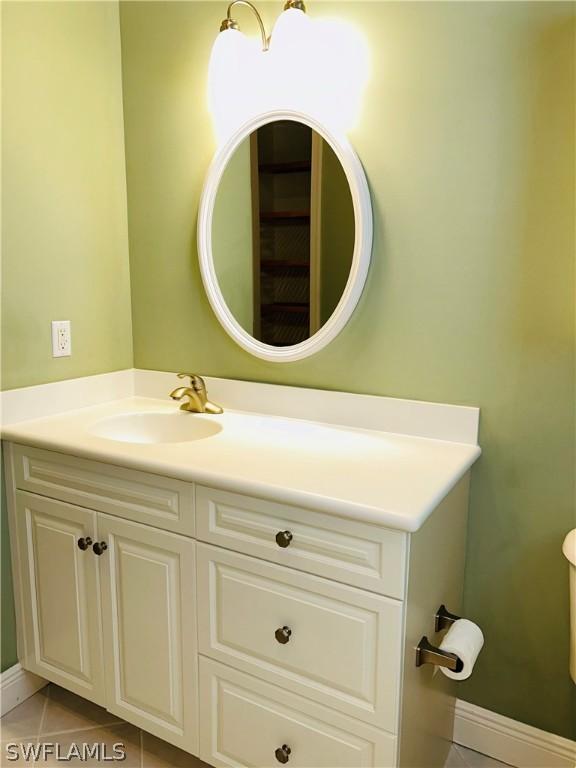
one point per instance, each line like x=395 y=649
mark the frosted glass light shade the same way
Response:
x=292 y=36
x=317 y=67
x=230 y=77
x=291 y=59
x=340 y=72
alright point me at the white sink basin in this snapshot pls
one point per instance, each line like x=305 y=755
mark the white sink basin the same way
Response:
x=177 y=427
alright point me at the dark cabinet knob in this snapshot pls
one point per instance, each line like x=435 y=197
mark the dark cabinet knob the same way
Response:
x=85 y=543
x=282 y=634
x=283 y=753
x=99 y=547
x=283 y=539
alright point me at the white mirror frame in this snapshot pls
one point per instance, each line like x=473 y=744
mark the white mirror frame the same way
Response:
x=360 y=258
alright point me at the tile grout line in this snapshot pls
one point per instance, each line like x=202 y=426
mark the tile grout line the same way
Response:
x=463 y=750
x=458 y=756
x=68 y=731
x=37 y=735
x=43 y=715
x=462 y=755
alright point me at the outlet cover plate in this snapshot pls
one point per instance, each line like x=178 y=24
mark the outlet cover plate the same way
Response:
x=61 y=338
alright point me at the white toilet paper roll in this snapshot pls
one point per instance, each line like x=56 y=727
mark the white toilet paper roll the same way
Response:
x=465 y=639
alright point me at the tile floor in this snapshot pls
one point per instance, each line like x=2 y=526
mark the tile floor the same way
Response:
x=56 y=716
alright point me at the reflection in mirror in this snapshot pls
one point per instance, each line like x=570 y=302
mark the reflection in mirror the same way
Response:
x=283 y=233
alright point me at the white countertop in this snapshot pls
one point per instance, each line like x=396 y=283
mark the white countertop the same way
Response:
x=375 y=476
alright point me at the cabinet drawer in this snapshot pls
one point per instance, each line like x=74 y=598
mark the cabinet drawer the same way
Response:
x=342 y=646
x=244 y=721
x=360 y=554
x=159 y=501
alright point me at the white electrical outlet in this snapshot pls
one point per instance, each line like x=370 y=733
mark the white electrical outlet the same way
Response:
x=61 y=338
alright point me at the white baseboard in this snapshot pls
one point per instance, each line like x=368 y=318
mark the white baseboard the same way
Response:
x=17 y=685
x=510 y=741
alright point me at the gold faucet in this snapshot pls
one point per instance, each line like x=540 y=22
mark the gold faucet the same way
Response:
x=197 y=401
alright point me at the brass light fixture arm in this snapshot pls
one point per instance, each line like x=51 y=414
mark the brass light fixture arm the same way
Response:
x=297 y=4
x=229 y=22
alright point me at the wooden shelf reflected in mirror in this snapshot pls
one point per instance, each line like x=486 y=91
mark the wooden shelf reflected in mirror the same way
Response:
x=277 y=264
x=294 y=166
x=282 y=167
x=284 y=215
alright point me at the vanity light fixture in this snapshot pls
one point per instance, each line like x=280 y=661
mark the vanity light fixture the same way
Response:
x=315 y=67
x=230 y=23
x=244 y=74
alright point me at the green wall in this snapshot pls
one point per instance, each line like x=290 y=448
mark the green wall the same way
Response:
x=64 y=228
x=64 y=237
x=466 y=138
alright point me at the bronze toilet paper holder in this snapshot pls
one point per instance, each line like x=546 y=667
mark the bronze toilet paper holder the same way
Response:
x=426 y=653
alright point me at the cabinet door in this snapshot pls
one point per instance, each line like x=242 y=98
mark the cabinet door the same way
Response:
x=62 y=636
x=148 y=596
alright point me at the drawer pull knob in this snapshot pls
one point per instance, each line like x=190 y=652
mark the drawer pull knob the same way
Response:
x=284 y=538
x=283 y=753
x=282 y=634
x=85 y=543
x=100 y=547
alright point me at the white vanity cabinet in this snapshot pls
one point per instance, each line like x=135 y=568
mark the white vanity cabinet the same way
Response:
x=245 y=631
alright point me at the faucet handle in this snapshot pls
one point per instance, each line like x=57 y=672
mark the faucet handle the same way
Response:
x=197 y=382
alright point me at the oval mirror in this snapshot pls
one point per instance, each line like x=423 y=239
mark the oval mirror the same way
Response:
x=284 y=237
